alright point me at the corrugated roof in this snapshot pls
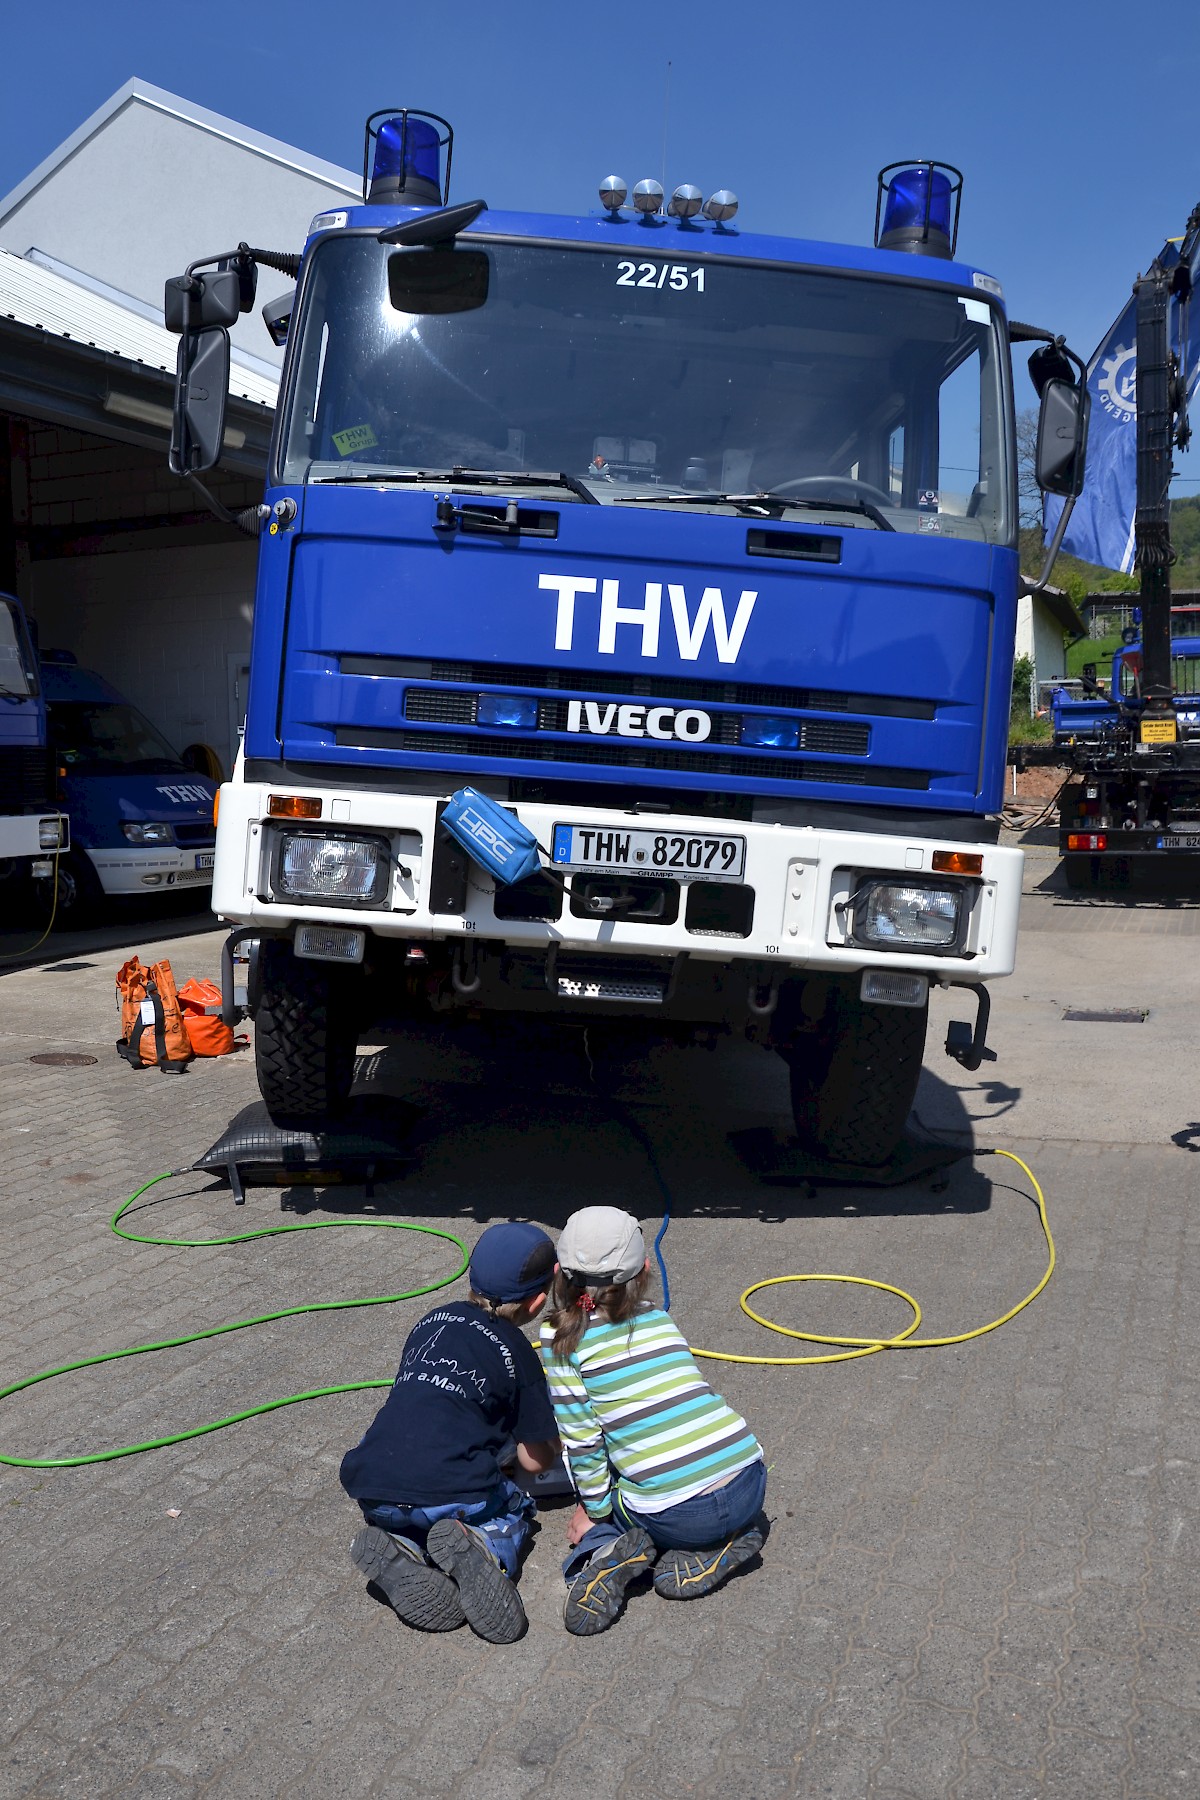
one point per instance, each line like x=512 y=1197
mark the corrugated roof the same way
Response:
x=49 y=302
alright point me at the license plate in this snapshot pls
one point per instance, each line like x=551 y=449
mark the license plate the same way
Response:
x=204 y=859
x=1176 y=841
x=662 y=855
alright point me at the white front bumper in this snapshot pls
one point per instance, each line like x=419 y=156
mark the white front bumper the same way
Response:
x=800 y=877
x=153 y=869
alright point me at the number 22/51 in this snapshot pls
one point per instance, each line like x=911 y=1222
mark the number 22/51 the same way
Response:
x=657 y=275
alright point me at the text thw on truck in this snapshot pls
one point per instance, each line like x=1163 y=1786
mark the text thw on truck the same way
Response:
x=692 y=550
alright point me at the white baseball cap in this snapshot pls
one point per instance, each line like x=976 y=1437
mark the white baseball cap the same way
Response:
x=601 y=1245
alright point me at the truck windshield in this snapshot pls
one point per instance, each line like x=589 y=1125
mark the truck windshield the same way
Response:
x=18 y=671
x=648 y=376
x=100 y=737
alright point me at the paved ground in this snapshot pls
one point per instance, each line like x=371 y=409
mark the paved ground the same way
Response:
x=982 y=1572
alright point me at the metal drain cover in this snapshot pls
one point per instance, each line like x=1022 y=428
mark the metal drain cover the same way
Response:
x=1113 y=1015
x=63 y=1059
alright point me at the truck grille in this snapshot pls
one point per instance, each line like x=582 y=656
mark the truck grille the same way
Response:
x=638 y=687
x=631 y=753
x=445 y=706
x=26 y=780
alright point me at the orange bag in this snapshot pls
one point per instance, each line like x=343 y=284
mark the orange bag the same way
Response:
x=207 y=1032
x=152 y=1028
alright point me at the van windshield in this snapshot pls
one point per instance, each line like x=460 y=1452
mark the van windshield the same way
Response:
x=101 y=737
x=649 y=377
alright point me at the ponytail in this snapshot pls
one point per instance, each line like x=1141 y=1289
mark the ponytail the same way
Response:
x=574 y=1303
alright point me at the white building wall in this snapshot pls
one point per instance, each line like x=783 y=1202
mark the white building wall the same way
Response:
x=168 y=626
x=1040 y=636
x=147 y=187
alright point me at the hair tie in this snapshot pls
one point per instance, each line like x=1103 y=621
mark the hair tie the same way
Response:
x=586 y=1302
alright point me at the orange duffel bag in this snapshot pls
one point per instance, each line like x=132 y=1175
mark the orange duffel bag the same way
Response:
x=207 y=1031
x=152 y=1028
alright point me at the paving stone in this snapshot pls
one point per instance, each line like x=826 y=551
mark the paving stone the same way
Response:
x=984 y=1563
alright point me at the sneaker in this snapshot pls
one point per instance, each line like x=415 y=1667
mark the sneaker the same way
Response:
x=597 y=1595
x=687 y=1574
x=489 y=1599
x=419 y=1595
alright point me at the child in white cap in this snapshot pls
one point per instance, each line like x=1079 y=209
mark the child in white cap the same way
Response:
x=670 y=1479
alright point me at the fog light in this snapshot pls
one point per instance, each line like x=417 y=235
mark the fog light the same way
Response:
x=331 y=868
x=151 y=880
x=892 y=913
x=330 y=943
x=768 y=733
x=883 y=988
x=507 y=709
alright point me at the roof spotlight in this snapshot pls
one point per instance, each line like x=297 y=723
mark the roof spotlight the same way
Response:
x=720 y=206
x=686 y=201
x=648 y=197
x=612 y=193
x=919 y=204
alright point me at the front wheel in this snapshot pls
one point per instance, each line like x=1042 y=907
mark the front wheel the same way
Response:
x=854 y=1079
x=80 y=898
x=305 y=1037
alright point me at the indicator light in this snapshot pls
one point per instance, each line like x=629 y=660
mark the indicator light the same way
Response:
x=293 y=806
x=957 y=862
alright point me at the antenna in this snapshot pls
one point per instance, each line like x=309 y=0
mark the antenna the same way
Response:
x=666 y=116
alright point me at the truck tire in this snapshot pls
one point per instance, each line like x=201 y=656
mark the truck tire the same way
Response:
x=80 y=895
x=854 y=1080
x=305 y=1037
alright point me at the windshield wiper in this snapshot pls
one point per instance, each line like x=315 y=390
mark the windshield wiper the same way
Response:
x=474 y=477
x=526 y=478
x=764 y=505
x=378 y=475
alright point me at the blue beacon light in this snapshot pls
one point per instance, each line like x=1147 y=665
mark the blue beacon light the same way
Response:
x=763 y=731
x=919 y=204
x=402 y=158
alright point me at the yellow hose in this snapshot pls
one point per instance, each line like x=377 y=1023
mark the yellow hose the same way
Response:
x=903 y=1340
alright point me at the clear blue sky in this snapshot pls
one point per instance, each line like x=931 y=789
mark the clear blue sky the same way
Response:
x=1074 y=121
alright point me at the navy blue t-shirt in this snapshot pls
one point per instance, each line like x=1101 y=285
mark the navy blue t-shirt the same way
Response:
x=466 y=1384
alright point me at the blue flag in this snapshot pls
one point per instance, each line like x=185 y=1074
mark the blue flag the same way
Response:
x=1101 y=526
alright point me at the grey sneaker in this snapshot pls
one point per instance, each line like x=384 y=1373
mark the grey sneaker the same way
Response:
x=489 y=1599
x=597 y=1595
x=419 y=1595
x=687 y=1574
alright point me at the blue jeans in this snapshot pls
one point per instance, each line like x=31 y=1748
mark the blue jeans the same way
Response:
x=504 y=1520
x=695 y=1524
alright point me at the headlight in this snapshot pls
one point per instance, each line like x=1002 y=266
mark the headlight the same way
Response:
x=151 y=831
x=312 y=867
x=906 y=915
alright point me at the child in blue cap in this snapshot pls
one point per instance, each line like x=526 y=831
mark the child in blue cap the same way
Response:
x=445 y=1528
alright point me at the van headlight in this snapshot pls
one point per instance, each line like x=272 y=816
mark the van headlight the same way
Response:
x=315 y=866
x=149 y=831
x=909 y=915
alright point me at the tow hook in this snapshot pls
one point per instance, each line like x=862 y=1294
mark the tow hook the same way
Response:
x=762 y=1007
x=967 y=1046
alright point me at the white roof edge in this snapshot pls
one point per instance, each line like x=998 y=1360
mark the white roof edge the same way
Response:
x=285 y=155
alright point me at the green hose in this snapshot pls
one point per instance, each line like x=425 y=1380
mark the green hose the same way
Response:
x=195 y=1337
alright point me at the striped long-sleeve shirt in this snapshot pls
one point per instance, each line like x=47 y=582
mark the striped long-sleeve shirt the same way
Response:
x=635 y=1413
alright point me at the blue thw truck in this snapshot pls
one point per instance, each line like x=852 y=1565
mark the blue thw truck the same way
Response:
x=691 y=549
x=34 y=835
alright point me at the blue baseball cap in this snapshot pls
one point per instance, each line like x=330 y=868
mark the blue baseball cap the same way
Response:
x=511 y=1261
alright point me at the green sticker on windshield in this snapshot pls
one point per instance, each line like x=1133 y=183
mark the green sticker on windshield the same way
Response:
x=355 y=437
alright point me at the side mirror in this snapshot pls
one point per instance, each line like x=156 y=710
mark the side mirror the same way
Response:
x=1062 y=437
x=201 y=394
x=214 y=298
x=277 y=316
